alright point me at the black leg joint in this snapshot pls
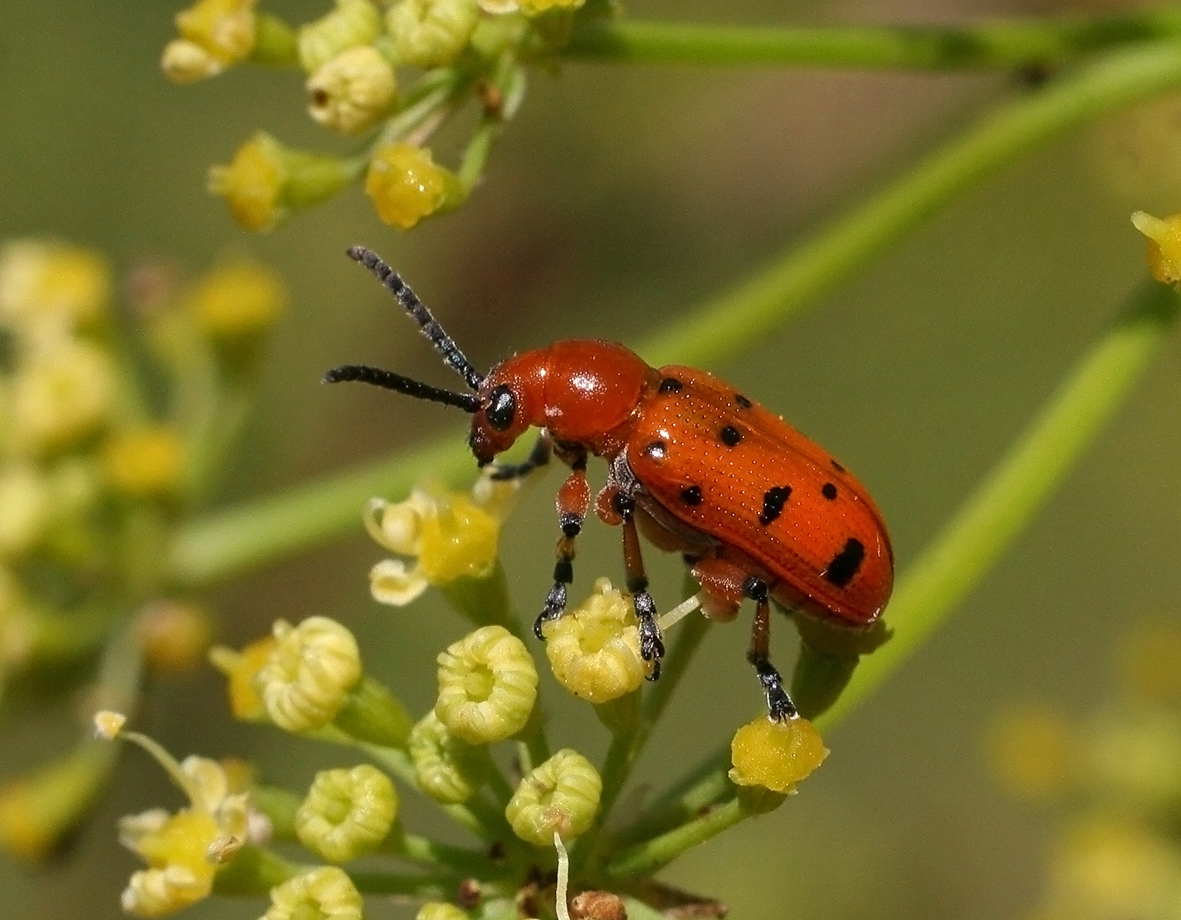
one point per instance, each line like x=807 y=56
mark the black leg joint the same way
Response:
x=563 y=571
x=623 y=505
x=638 y=585
x=779 y=704
x=571 y=525
x=756 y=589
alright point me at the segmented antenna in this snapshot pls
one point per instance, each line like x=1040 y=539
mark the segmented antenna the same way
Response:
x=390 y=381
x=452 y=356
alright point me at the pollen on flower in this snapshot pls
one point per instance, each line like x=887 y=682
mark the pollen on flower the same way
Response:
x=594 y=649
x=775 y=755
x=487 y=686
x=347 y=813
x=406 y=185
x=309 y=674
x=352 y=91
x=559 y=796
x=325 y=893
x=242 y=668
x=1164 y=245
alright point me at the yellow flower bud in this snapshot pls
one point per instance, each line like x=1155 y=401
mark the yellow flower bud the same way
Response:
x=406 y=185
x=445 y=768
x=175 y=635
x=350 y=24
x=242 y=668
x=238 y=300
x=309 y=674
x=561 y=795
x=266 y=182
x=214 y=35
x=487 y=686
x=352 y=91
x=440 y=910
x=61 y=395
x=145 y=462
x=347 y=813
x=25 y=499
x=594 y=649
x=431 y=33
x=324 y=893
x=51 y=283
x=1164 y=245
x=775 y=755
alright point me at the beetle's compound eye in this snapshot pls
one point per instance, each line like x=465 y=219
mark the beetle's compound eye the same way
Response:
x=501 y=408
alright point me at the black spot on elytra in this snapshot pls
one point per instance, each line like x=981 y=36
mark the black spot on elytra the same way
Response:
x=845 y=564
x=773 y=501
x=730 y=436
x=742 y=401
x=829 y=491
x=836 y=466
x=691 y=495
x=671 y=385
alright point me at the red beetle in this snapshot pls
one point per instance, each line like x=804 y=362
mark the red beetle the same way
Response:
x=758 y=510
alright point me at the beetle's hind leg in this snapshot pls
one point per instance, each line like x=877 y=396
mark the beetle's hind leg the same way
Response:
x=779 y=704
x=573 y=502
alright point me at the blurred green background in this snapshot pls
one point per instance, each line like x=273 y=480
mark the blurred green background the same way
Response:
x=619 y=197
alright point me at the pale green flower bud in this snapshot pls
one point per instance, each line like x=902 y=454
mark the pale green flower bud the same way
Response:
x=324 y=893
x=347 y=813
x=352 y=91
x=309 y=673
x=487 y=686
x=440 y=910
x=352 y=23
x=445 y=768
x=561 y=795
x=431 y=33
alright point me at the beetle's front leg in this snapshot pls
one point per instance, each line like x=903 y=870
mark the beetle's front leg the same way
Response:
x=617 y=507
x=573 y=502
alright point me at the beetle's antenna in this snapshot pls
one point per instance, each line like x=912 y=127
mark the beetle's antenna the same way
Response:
x=452 y=356
x=390 y=381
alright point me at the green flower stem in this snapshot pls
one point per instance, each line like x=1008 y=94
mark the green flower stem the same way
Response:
x=475 y=155
x=253 y=872
x=1000 y=43
x=647 y=857
x=991 y=519
x=438 y=886
x=279 y=805
x=441 y=856
x=229 y=542
x=754 y=310
x=996 y=513
x=371 y=713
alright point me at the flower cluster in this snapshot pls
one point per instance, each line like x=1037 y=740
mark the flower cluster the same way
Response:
x=1117 y=778
x=539 y=847
x=106 y=407
x=392 y=72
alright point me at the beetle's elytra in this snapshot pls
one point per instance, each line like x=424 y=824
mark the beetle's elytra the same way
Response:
x=757 y=510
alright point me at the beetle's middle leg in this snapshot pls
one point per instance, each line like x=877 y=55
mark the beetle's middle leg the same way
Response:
x=779 y=704
x=617 y=507
x=573 y=502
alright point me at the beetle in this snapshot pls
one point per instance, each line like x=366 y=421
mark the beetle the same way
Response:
x=757 y=510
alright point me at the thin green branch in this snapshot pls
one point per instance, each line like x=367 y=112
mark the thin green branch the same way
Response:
x=231 y=541
x=996 y=44
x=659 y=851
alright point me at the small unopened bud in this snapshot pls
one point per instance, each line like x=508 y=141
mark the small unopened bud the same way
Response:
x=347 y=813
x=350 y=24
x=487 y=686
x=214 y=35
x=431 y=33
x=775 y=755
x=242 y=668
x=175 y=635
x=352 y=91
x=50 y=283
x=594 y=650
x=144 y=462
x=309 y=674
x=324 y=893
x=597 y=905
x=108 y=724
x=1164 y=245
x=62 y=395
x=559 y=796
x=448 y=770
x=238 y=300
x=406 y=185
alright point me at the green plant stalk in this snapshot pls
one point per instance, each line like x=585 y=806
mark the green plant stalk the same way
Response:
x=751 y=312
x=650 y=856
x=989 y=521
x=995 y=44
x=229 y=542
